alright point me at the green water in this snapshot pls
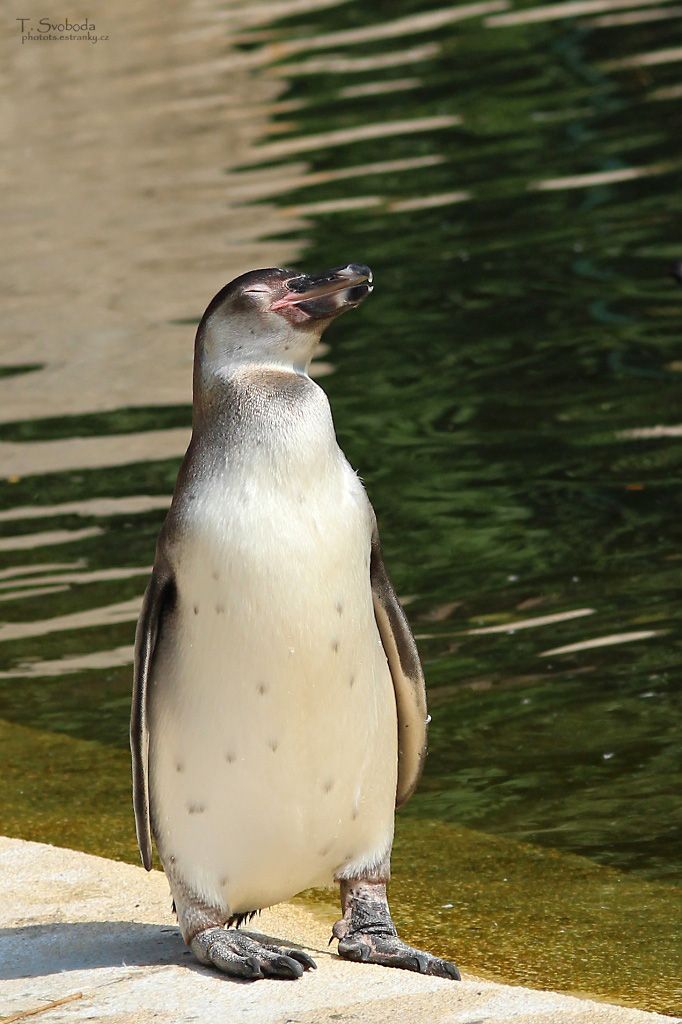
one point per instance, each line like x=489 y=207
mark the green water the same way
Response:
x=523 y=322
x=481 y=392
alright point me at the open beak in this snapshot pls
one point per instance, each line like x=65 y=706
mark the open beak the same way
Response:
x=319 y=296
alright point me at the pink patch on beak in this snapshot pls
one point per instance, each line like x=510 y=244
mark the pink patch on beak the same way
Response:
x=287 y=300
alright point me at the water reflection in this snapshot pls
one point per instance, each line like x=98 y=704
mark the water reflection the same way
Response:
x=47 y=539
x=325 y=65
x=38 y=457
x=519 y=347
x=602 y=641
x=567 y=9
x=540 y=620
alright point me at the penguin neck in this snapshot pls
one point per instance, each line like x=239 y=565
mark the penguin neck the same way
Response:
x=211 y=384
x=215 y=365
x=219 y=393
x=267 y=422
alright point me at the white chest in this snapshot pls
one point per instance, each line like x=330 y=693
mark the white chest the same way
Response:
x=273 y=722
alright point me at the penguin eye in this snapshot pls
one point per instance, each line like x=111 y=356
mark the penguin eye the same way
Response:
x=253 y=296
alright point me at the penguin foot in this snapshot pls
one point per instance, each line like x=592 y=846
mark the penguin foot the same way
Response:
x=367 y=934
x=241 y=956
x=393 y=952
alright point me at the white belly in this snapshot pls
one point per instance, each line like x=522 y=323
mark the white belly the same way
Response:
x=273 y=756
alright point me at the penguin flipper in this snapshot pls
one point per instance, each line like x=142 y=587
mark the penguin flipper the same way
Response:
x=406 y=670
x=156 y=597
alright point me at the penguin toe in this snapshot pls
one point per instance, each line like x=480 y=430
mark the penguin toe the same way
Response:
x=282 y=967
x=421 y=963
x=451 y=970
x=438 y=968
x=354 y=949
x=252 y=966
x=303 y=958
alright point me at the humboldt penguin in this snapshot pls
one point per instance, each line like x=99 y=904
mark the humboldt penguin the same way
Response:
x=279 y=710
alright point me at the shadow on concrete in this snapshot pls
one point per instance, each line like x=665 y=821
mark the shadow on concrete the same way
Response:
x=34 y=951
x=39 y=950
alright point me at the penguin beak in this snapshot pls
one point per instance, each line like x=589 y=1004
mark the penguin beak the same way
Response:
x=325 y=295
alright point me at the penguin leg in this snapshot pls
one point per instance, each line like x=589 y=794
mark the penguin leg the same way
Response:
x=228 y=949
x=367 y=934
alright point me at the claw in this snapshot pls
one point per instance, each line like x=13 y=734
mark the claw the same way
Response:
x=421 y=963
x=284 y=967
x=255 y=968
x=303 y=958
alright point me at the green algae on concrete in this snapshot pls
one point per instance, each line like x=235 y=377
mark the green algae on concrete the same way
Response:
x=503 y=909
x=66 y=792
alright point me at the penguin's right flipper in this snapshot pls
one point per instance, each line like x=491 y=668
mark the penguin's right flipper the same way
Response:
x=158 y=595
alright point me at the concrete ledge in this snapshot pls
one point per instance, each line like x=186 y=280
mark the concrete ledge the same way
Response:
x=99 y=936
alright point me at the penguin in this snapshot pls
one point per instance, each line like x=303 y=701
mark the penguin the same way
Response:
x=279 y=707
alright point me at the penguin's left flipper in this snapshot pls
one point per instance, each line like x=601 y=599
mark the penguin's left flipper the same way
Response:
x=157 y=602
x=406 y=672
x=367 y=934
x=241 y=956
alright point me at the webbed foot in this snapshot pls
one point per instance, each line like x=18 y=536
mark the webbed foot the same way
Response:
x=366 y=933
x=241 y=956
x=390 y=951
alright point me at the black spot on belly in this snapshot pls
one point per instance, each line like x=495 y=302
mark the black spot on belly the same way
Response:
x=329 y=785
x=273 y=745
x=339 y=607
x=195 y=808
x=230 y=757
x=179 y=767
x=223 y=882
x=196 y=609
x=215 y=574
x=220 y=609
x=262 y=689
x=325 y=850
x=335 y=646
x=354 y=813
x=351 y=682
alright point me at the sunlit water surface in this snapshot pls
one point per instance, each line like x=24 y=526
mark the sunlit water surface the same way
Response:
x=509 y=394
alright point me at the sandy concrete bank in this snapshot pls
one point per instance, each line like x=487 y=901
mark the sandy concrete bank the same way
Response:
x=100 y=936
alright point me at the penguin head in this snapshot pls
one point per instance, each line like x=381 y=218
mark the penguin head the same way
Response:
x=276 y=316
